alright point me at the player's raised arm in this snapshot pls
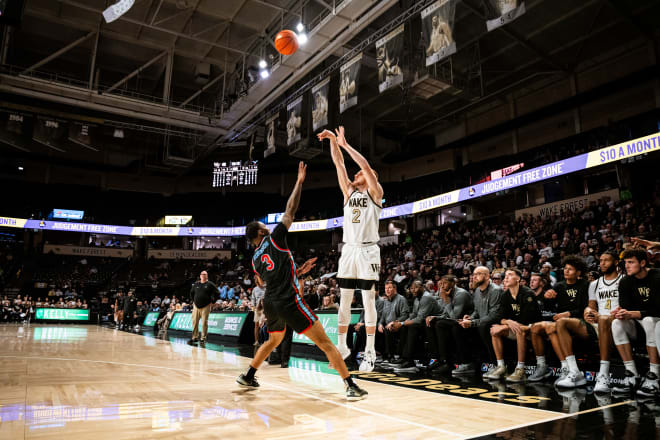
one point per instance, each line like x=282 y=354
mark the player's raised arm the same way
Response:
x=338 y=160
x=294 y=199
x=375 y=189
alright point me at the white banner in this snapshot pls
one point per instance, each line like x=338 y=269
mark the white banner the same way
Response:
x=574 y=204
x=87 y=251
x=201 y=254
x=389 y=51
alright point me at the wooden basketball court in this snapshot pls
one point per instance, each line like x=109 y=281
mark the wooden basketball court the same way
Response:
x=62 y=382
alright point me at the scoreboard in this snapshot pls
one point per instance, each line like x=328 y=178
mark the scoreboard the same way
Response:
x=234 y=173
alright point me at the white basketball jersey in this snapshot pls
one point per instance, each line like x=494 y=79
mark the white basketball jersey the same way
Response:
x=361 y=216
x=606 y=293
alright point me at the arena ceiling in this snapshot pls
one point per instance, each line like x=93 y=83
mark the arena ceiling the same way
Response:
x=140 y=73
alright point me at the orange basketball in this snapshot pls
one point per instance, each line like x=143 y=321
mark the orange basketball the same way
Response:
x=286 y=42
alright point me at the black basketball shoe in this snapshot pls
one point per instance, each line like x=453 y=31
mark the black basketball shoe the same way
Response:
x=243 y=381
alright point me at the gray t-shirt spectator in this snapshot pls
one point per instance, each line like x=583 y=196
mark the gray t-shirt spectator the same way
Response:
x=257 y=295
x=395 y=310
x=486 y=305
x=424 y=306
x=460 y=304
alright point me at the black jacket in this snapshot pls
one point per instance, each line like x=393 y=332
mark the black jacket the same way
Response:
x=203 y=294
x=523 y=309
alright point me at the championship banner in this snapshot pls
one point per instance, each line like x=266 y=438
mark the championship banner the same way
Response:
x=271 y=135
x=505 y=12
x=389 y=50
x=330 y=324
x=574 y=204
x=225 y=324
x=62 y=314
x=150 y=319
x=320 y=104
x=201 y=254
x=438 y=26
x=294 y=121
x=349 y=80
x=87 y=251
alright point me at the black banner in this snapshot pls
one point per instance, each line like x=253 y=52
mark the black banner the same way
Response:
x=320 y=104
x=438 y=26
x=389 y=51
x=504 y=11
x=294 y=121
x=348 y=83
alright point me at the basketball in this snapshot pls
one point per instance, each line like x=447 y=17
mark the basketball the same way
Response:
x=286 y=42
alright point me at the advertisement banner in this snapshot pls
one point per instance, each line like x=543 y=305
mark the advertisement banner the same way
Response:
x=178 y=219
x=150 y=319
x=329 y=321
x=349 y=81
x=61 y=249
x=225 y=324
x=294 y=121
x=62 y=314
x=201 y=254
x=389 y=52
x=320 y=104
x=11 y=222
x=623 y=151
x=505 y=12
x=574 y=204
x=438 y=26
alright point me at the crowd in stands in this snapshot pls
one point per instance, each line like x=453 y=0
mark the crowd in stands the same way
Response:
x=23 y=309
x=455 y=265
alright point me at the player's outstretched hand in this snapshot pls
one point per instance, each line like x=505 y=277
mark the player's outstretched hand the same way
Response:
x=302 y=172
x=341 y=139
x=307 y=266
x=326 y=134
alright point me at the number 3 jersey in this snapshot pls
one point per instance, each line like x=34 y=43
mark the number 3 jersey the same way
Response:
x=273 y=262
x=605 y=293
x=361 y=215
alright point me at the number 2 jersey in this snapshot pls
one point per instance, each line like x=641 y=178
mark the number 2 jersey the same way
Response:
x=273 y=262
x=361 y=215
x=605 y=293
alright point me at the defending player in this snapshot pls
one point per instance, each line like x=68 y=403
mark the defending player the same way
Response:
x=283 y=303
x=359 y=264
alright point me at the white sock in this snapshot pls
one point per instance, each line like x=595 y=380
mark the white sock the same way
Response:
x=341 y=340
x=655 y=369
x=520 y=365
x=604 y=368
x=630 y=366
x=500 y=362
x=371 y=343
x=564 y=364
x=540 y=361
x=572 y=364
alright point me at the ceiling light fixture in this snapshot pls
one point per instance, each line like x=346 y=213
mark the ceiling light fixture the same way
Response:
x=117 y=10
